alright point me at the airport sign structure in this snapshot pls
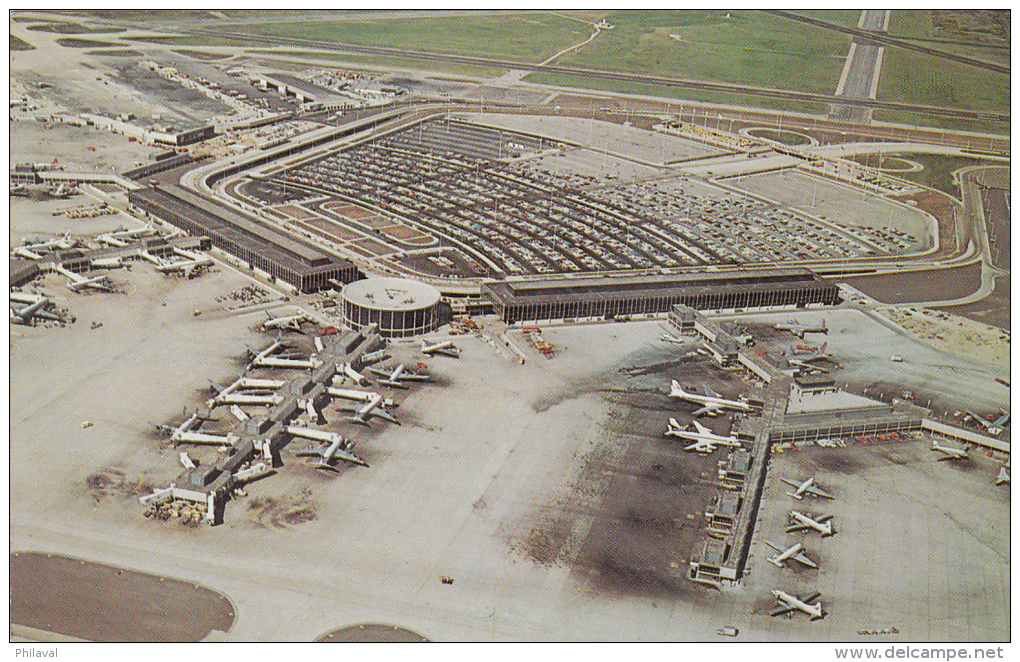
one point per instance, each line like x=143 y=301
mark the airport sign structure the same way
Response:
x=393 y=347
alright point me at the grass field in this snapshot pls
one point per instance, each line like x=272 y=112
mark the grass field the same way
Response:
x=529 y=37
x=73 y=28
x=914 y=119
x=938 y=170
x=953 y=33
x=678 y=94
x=199 y=55
x=785 y=137
x=914 y=78
x=381 y=61
x=749 y=47
x=20 y=44
x=175 y=40
x=75 y=42
x=116 y=52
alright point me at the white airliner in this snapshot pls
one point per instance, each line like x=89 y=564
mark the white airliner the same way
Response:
x=786 y=603
x=122 y=237
x=265 y=359
x=798 y=329
x=28 y=313
x=361 y=413
x=188 y=267
x=992 y=427
x=712 y=403
x=338 y=448
x=807 y=487
x=292 y=322
x=949 y=452
x=78 y=282
x=673 y=339
x=446 y=347
x=705 y=441
x=802 y=522
x=1003 y=476
x=792 y=553
x=32 y=250
x=394 y=378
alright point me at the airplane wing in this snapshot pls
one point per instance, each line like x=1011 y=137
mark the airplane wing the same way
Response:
x=801 y=557
x=701 y=447
x=773 y=546
x=341 y=454
x=701 y=428
x=811 y=598
x=310 y=452
x=824 y=518
x=819 y=492
x=709 y=392
x=707 y=409
x=797 y=527
x=792 y=483
x=781 y=609
x=1001 y=421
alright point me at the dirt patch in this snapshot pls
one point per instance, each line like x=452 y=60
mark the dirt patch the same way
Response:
x=100 y=602
x=350 y=211
x=374 y=247
x=372 y=633
x=283 y=512
x=112 y=482
x=296 y=212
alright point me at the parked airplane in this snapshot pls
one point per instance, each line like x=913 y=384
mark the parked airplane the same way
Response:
x=28 y=313
x=807 y=487
x=792 y=553
x=705 y=441
x=32 y=249
x=446 y=347
x=802 y=522
x=949 y=452
x=19 y=189
x=1003 y=476
x=292 y=322
x=808 y=355
x=992 y=427
x=786 y=603
x=338 y=448
x=79 y=282
x=264 y=358
x=187 y=267
x=361 y=413
x=798 y=329
x=394 y=378
x=673 y=339
x=122 y=237
x=712 y=402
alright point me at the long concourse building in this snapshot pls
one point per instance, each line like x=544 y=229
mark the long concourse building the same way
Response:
x=289 y=259
x=606 y=297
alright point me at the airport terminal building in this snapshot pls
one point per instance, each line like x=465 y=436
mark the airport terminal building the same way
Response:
x=284 y=257
x=606 y=297
x=399 y=306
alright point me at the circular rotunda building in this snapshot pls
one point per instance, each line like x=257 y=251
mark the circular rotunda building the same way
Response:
x=400 y=306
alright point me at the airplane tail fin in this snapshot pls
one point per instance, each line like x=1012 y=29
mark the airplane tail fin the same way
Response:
x=675 y=390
